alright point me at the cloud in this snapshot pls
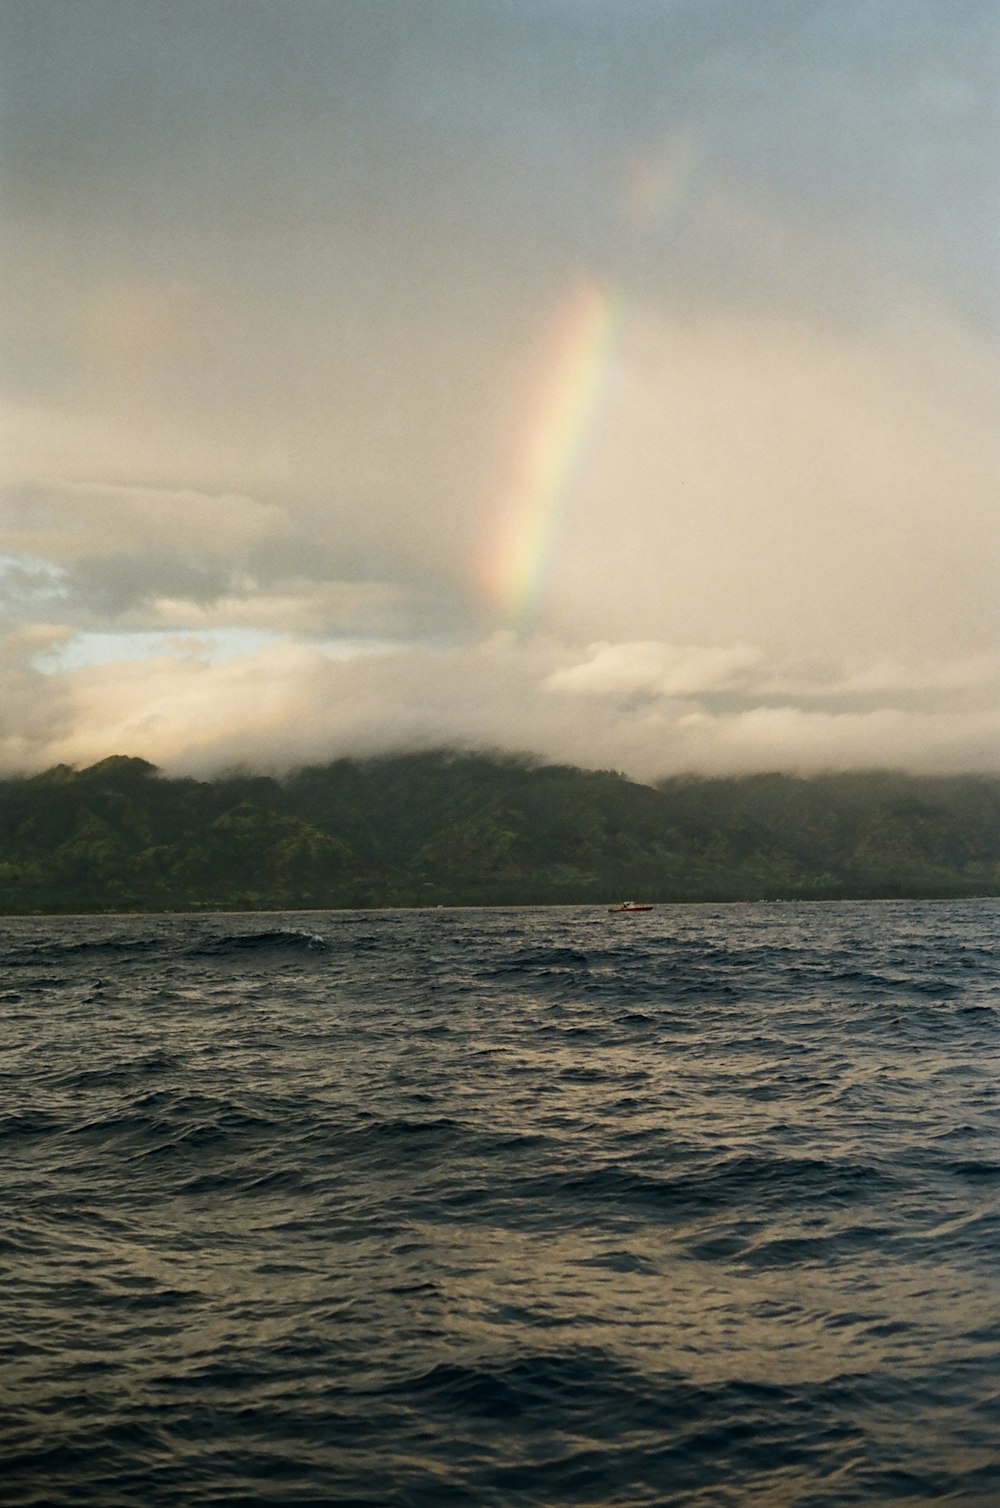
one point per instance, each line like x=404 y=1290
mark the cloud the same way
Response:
x=267 y=300
x=35 y=709
x=648 y=710
x=969 y=684
x=303 y=607
x=652 y=669
x=24 y=646
x=66 y=521
x=755 y=479
x=791 y=738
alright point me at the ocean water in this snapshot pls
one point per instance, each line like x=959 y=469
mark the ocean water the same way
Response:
x=502 y=1207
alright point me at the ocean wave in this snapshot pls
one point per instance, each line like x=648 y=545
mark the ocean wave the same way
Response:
x=274 y=940
x=508 y=1212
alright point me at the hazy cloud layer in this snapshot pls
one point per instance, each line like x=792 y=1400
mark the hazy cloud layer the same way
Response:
x=278 y=279
x=647 y=709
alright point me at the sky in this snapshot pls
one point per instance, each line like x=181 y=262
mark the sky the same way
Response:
x=610 y=380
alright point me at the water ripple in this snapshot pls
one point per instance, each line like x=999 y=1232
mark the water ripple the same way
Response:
x=502 y=1208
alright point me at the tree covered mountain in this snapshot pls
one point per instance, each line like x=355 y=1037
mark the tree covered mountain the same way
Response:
x=465 y=828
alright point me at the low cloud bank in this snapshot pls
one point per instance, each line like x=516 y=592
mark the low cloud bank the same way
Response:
x=646 y=708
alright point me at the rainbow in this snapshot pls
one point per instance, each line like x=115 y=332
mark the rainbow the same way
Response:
x=558 y=421
x=554 y=441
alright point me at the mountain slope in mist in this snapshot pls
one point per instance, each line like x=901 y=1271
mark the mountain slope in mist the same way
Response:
x=464 y=828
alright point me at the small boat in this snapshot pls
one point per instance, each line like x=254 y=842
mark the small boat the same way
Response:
x=629 y=907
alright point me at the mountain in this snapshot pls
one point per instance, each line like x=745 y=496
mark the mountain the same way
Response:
x=471 y=828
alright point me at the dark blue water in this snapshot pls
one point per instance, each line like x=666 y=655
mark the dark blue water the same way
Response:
x=502 y=1207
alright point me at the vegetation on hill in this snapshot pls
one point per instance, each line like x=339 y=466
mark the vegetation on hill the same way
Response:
x=450 y=828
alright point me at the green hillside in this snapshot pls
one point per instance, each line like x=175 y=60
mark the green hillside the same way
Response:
x=449 y=828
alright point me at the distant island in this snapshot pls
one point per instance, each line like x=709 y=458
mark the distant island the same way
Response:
x=451 y=828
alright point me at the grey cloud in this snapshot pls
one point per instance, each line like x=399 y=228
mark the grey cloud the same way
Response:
x=31 y=591
x=109 y=586
x=287 y=704
x=35 y=708
x=224 y=120
x=276 y=273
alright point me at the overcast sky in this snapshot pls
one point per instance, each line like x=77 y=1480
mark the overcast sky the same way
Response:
x=611 y=379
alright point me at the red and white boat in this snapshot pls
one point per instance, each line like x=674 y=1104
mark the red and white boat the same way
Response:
x=629 y=907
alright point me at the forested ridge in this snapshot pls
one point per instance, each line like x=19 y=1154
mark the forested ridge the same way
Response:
x=461 y=828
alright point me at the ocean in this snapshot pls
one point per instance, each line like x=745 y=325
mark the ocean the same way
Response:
x=502 y=1207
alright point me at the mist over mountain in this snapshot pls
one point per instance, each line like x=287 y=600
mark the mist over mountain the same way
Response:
x=449 y=828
